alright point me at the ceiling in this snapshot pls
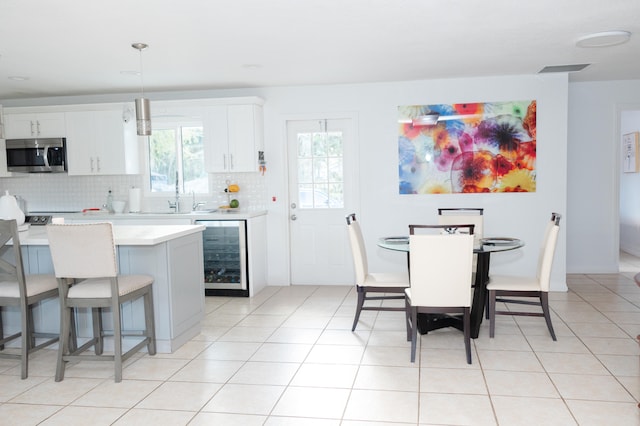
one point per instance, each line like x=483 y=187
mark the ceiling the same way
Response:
x=73 y=47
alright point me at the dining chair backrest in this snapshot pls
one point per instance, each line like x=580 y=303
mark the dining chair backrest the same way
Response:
x=15 y=269
x=547 y=251
x=441 y=266
x=454 y=216
x=358 y=250
x=83 y=250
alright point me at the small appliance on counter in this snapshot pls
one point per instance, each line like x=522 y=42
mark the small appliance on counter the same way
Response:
x=38 y=220
x=9 y=210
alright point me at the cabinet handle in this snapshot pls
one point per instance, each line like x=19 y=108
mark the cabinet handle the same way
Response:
x=91 y=163
x=38 y=126
x=231 y=161
x=98 y=164
x=31 y=122
x=224 y=161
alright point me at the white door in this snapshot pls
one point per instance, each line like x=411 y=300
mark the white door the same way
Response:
x=322 y=188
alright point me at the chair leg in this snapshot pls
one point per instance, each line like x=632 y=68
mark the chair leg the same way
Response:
x=492 y=312
x=544 y=302
x=150 y=330
x=117 y=340
x=31 y=327
x=486 y=304
x=63 y=343
x=407 y=314
x=73 y=335
x=361 y=295
x=25 y=341
x=414 y=332
x=1 y=330
x=96 y=319
x=467 y=333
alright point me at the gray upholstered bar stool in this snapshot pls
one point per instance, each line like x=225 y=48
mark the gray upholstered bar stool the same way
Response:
x=24 y=292
x=85 y=254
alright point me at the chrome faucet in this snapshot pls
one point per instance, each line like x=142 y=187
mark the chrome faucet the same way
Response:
x=176 y=204
x=196 y=206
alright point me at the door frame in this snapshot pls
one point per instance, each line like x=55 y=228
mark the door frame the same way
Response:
x=353 y=173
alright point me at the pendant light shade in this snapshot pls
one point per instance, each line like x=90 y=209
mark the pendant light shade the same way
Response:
x=143 y=116
x=143 y=106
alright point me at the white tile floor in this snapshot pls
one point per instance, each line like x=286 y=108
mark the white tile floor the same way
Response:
x=288 y=357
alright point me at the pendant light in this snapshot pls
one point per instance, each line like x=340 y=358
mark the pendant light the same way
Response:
x=143 y=108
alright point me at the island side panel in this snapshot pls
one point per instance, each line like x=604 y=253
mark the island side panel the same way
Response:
x=178 y=288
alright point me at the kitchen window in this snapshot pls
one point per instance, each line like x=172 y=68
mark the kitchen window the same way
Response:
x=176 y=153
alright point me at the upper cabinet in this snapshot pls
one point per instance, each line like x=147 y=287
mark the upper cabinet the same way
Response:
x=100 y=142
x=233 y=136
x=3 y=149
x=40 y=125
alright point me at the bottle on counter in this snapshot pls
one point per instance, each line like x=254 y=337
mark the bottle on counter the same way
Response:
x=109 y=204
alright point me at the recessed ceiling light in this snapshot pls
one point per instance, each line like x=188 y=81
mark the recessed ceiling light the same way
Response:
x=604 y=39
x=18 y=78
x=251 y=66
x=136 y=73
x=563 y=68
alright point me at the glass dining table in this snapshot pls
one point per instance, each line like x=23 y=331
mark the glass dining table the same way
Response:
x=483 y=249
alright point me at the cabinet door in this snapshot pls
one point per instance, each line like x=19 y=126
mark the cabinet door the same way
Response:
x=115 y=144
x=51 y=125
x=42 y=125
x=100 y=143
x=216 y=145
x=3 y=159
x=240 y=122
x=80 y=157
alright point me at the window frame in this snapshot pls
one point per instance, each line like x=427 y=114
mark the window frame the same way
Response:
x=176 y=125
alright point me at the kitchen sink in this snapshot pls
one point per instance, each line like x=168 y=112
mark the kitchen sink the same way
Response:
x=203 y=211
x=196 y=212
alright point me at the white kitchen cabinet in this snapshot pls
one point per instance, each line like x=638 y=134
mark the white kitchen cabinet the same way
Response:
x=233 y=136
x=3 y=159
x=32 y=125
x=3 y=149
x=101 y=143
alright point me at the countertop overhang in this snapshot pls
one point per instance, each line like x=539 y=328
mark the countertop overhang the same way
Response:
x=125 y=235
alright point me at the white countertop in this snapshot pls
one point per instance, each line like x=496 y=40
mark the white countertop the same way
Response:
x=125 y=235
x=228 y=214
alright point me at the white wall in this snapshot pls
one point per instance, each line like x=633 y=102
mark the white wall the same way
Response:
x=629 y=191
x=593 y=173
x=383 y=210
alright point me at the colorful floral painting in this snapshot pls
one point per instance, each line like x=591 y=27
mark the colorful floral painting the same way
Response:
x=472 y=148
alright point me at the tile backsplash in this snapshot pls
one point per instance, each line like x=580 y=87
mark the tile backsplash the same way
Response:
x=61 y=192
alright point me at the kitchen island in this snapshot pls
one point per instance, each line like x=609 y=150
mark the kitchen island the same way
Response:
x=172 y=254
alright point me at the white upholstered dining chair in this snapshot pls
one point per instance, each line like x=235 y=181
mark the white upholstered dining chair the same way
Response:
x=23 y=292
x=503 y=288
x=85 y=255
x=440 y=275
x=387 y=286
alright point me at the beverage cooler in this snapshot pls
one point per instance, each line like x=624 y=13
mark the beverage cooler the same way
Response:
x=225 y=257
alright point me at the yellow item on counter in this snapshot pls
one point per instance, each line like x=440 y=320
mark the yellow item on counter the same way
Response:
x=234 y=188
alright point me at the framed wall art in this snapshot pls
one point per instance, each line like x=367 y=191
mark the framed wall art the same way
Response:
x=467 y=148
x=630 y=152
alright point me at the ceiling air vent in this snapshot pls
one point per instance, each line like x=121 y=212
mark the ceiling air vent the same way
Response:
x=563 y=68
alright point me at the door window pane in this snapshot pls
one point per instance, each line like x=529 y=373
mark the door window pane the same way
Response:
x=320 y=170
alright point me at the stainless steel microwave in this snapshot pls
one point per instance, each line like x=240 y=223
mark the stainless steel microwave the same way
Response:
x=41 y=155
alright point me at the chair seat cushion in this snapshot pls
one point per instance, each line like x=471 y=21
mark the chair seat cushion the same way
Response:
x=513 y=283
x=36 y=284
x=382 y=279
x=94 y=288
